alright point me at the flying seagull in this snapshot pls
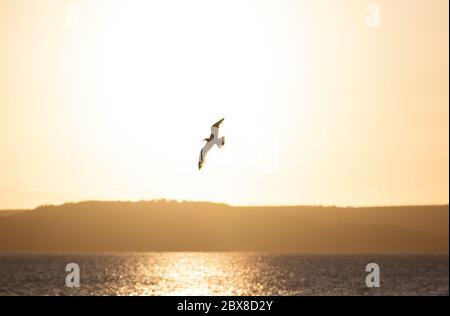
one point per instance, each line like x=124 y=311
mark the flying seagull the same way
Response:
x=213 y=139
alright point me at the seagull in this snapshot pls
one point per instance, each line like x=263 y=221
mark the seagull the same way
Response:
x=213 y=139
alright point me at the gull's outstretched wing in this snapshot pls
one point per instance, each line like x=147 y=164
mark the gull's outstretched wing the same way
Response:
x=215 y=128
x=203 y=152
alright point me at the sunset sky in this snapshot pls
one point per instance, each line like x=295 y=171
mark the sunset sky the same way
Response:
x=110 y=100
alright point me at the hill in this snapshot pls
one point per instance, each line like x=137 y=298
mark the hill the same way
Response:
x=200 y=226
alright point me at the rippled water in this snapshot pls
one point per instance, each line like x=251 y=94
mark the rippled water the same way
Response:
x=222 y=274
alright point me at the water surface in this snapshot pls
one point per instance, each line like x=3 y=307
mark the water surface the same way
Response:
x=222 y=274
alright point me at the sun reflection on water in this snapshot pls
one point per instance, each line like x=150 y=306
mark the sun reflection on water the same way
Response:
x=196 y=274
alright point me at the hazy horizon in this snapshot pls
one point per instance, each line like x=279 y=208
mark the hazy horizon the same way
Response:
x=224 y=203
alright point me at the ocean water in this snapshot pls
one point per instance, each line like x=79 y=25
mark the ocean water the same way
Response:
x=222 y=274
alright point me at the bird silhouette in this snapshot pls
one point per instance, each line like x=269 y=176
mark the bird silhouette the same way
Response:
x=212 y=140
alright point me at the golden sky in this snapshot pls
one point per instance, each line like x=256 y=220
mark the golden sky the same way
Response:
x=111 y=99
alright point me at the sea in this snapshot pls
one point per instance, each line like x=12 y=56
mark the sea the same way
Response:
x=199 y=273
